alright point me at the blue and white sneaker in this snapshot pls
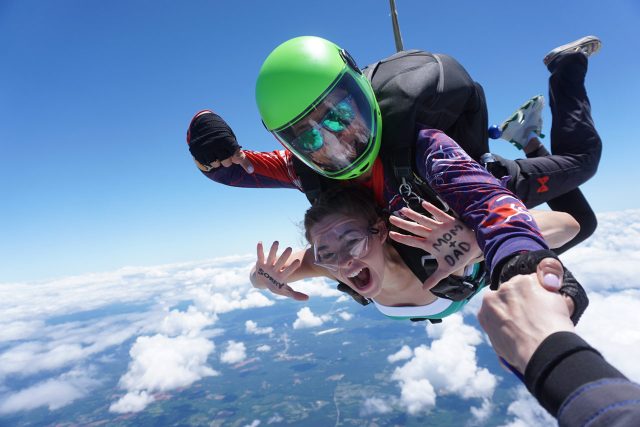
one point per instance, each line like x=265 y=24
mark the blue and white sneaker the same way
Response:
x=525 y=123
x=587 y=45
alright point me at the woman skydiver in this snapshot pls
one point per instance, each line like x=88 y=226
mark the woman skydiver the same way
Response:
x=348 y=236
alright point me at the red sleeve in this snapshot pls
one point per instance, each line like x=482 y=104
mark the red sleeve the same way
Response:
x=271 y=170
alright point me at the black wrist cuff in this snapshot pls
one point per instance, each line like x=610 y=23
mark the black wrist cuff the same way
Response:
x=562 y=363
x=521 y=263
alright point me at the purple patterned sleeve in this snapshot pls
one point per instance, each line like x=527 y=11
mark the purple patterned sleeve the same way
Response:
x=502 y=223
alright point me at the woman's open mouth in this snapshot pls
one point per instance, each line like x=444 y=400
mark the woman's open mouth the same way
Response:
x=361 y=279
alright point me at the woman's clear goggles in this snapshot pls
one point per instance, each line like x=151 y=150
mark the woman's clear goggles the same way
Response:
x=353 y=245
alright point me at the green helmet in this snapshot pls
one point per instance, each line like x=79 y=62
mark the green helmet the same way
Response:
x=318 y=104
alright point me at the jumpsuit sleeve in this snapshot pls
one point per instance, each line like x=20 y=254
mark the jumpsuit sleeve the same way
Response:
x=572 y=381
x=502 y=224
x=271 y=170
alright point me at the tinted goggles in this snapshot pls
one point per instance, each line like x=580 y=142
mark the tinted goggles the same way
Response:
x=338 y=130
x=336 y=120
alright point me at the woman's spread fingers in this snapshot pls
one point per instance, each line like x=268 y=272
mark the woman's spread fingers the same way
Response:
x=260 y=253
x=286 y=272
x=272 y=253
x=282 y=259
x=419 y=218
x=416 y=242
x=410 y=226
x=436 y=212
x=298 y=296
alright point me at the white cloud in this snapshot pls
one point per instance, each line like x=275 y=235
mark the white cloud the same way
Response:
x=375 y=406
x=329 y=331
x=254 y=423
x=189 y=322
x=234 y=353
x=42 y=315
x=133 y=401
x=264 y=348
x=161 y=363
x=403 y=354
x=482 y=413
x=473 y=306
x=306 y=319
x=275 y=419
x=417 y=395
x=252 y=328
x=19 y=330
x=527 y=411
x=318 y=287
x=610 y=259
x=28 y=302
x=53 y=393
x=448 y=366
x=608 y=266
x=25 y=301
x=32 y=357
x=62 y=323
x=70 y=344
x=610 y=324
x=345 y=315
x=234 y=300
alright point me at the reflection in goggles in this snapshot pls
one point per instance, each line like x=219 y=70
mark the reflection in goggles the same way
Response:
x=354 y=244
x=336 y=120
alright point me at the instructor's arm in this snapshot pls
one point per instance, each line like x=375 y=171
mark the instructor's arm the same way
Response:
x=530 y=328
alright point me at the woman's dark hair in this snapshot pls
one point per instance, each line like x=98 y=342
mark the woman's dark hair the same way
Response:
x=349 y=200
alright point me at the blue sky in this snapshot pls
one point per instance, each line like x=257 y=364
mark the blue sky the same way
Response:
x=95 y=98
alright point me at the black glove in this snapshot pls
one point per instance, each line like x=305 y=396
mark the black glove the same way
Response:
x=573 y=289
x=527 y=263
x=210 y=138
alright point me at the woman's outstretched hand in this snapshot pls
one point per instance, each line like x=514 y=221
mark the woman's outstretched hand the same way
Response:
x=272 y=273
x=446 y=238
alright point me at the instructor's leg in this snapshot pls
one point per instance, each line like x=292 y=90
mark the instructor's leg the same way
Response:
x=575 y=143
x=575 y=204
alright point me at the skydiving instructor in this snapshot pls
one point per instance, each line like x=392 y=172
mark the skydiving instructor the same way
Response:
x=323 y=109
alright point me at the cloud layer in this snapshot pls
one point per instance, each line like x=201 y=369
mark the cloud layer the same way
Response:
x=54 y=334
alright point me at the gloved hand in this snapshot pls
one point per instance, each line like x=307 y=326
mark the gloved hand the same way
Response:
x=212 y=143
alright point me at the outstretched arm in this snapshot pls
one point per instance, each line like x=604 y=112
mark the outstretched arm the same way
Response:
x=271 y=170
x=569 y=378
x=220 y=158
